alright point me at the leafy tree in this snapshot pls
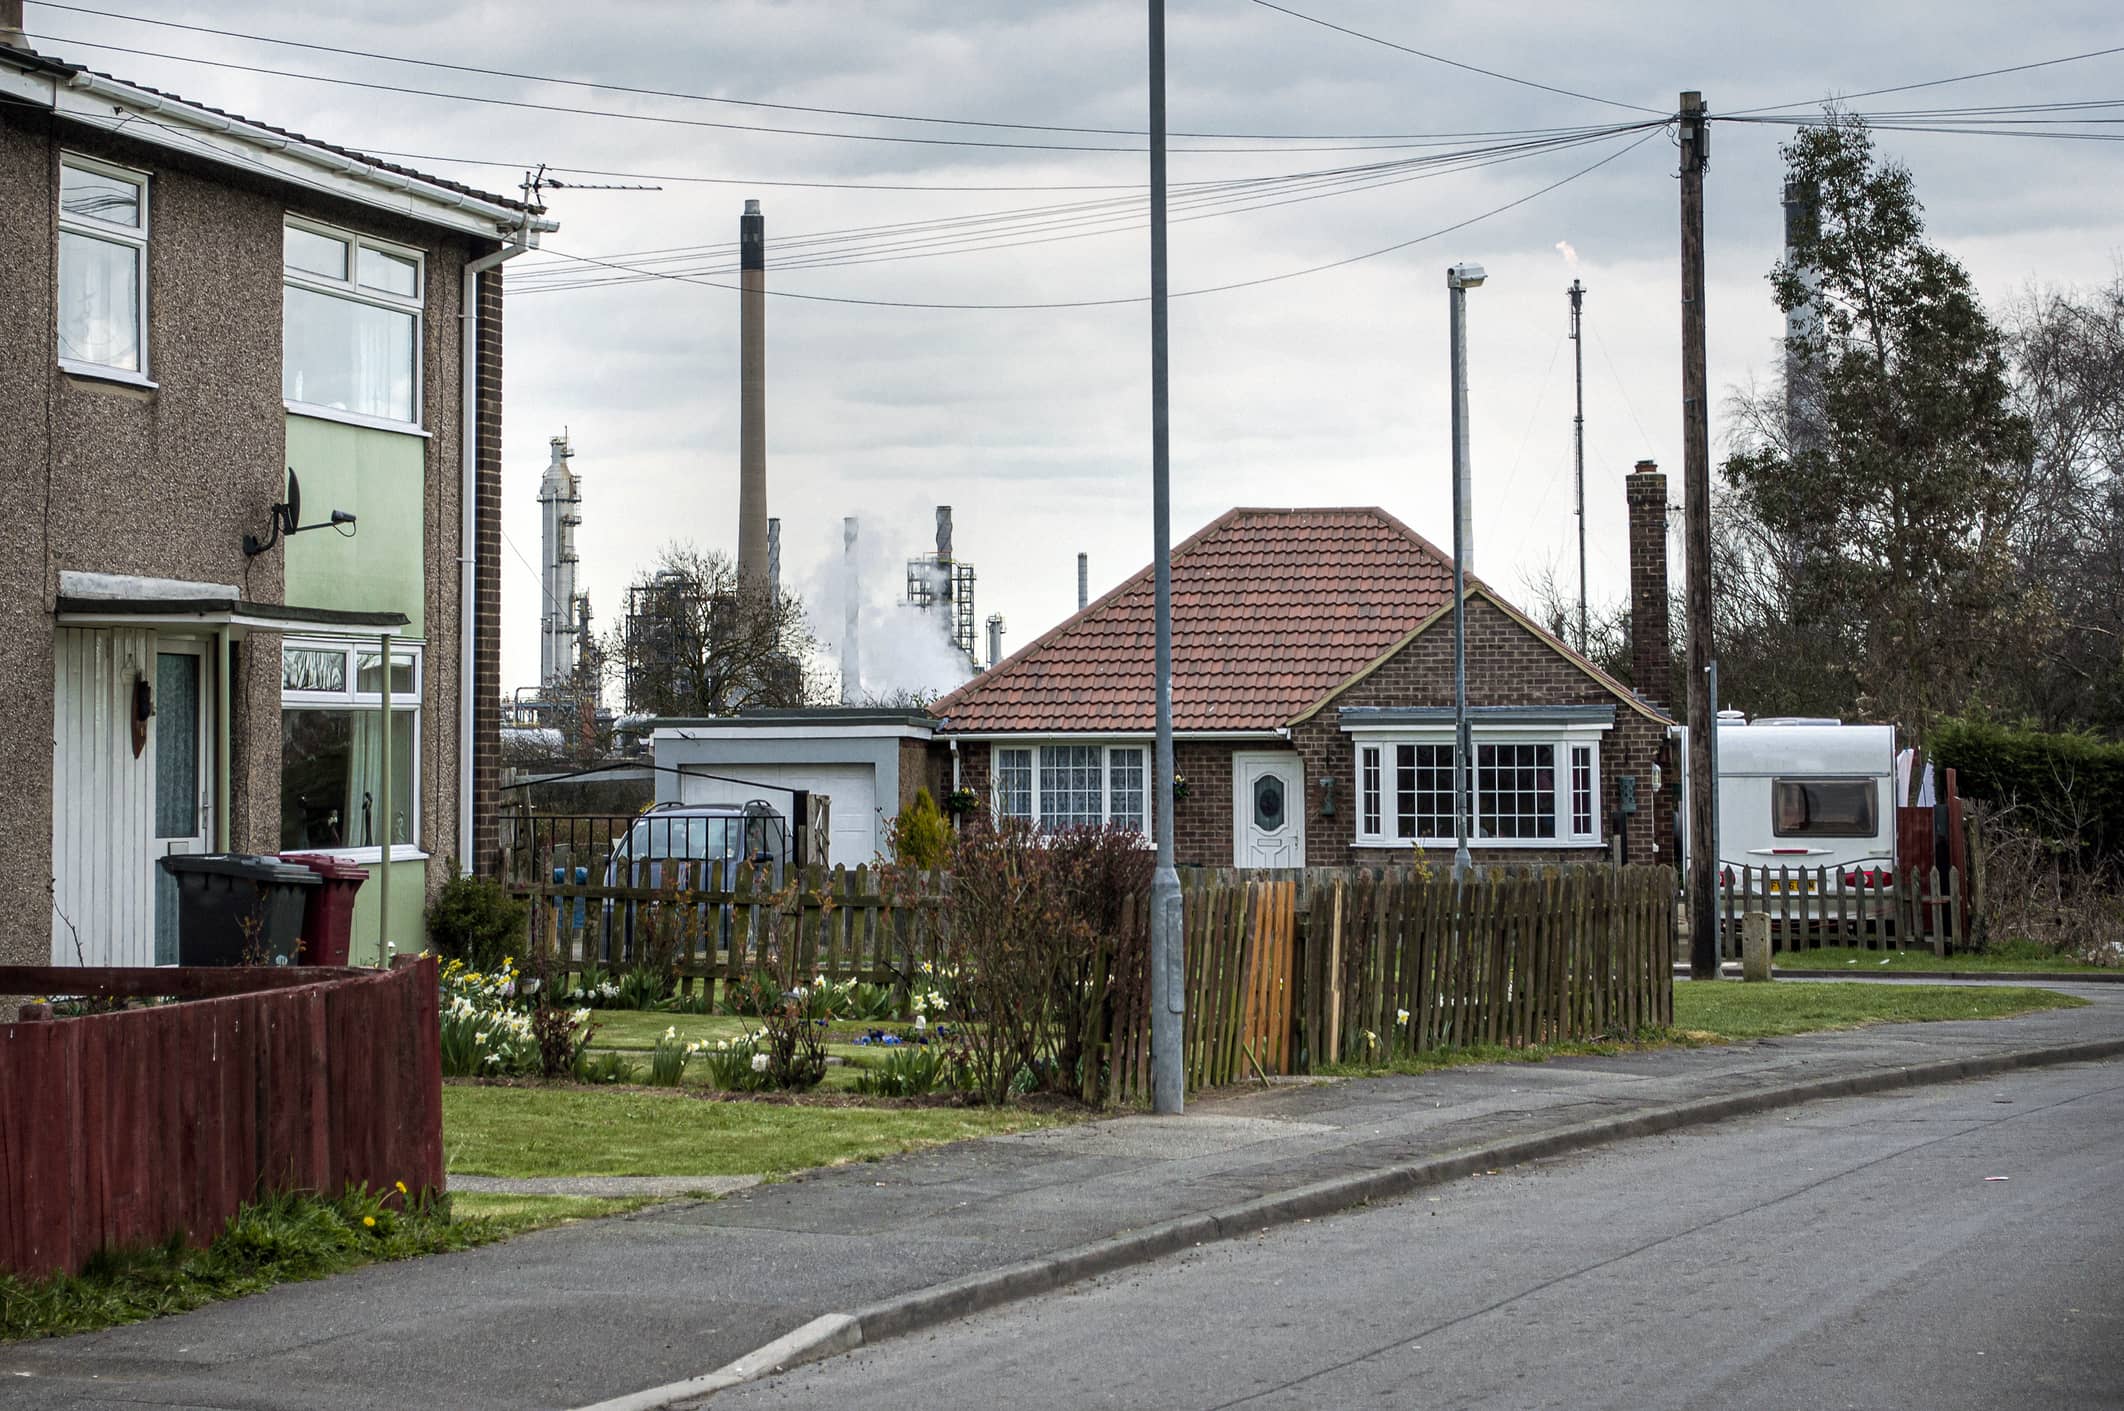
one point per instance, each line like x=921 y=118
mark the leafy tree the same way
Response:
x=698 y=641
x=1869 y=512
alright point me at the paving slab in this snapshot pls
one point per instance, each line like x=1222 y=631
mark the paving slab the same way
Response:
x=573 y=1316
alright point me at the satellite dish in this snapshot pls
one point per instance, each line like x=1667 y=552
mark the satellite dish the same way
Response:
x=293 y=509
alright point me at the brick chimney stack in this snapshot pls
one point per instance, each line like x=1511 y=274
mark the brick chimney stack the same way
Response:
x=11 y=24
x=1651 y=661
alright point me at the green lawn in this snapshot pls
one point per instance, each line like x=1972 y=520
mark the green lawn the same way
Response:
x=2011 y=959
x=281 y=1239
x=1722 y=1010
x=634 y=1033
x=1725 y=1011
x=532 y=1131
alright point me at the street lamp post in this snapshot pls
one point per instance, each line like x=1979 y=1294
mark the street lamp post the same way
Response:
x=1459 y=280
x=1167 y=937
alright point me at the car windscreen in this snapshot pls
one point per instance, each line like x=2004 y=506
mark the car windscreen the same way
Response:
x=694 y=839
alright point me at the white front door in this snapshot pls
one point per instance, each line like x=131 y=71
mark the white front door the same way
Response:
x=1268 y=810
x=183 y=798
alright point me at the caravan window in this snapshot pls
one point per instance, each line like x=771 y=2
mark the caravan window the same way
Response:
x=1823 y=808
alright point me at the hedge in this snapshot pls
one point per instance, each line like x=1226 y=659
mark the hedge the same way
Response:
x=2070 y=787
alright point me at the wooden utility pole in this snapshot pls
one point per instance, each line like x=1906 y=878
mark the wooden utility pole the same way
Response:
x=1696 y=482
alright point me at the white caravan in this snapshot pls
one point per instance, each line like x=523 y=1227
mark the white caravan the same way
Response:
x=1805 y=793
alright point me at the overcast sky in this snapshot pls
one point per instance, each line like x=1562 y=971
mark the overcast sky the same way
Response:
x=1034 y=424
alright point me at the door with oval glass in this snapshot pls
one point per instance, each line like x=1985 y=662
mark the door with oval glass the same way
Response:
x=1268 y=809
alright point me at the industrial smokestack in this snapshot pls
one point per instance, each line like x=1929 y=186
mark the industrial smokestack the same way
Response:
x=1803 y=325
x=1083 y=580
x=944 y=534
x=560 y=508
x=851 y=611
x=752 y=395
x=774 y=557
x=995 y=638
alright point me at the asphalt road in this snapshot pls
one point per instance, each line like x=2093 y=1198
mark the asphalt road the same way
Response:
x=1856 y=1253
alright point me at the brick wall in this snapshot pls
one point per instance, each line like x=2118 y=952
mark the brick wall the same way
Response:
x=486 y=641
x=1507 y=665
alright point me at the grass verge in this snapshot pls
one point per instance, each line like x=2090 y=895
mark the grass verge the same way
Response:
x=495 y=1130
x=2010 y=959
x=282 y=1239
x=1720 y=1011
x=1725 y=1011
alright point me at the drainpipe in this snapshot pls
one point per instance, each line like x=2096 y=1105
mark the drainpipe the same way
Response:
x=384 y=801
x=520 y=240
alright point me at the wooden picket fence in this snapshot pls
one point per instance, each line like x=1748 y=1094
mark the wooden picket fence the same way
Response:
x=1873 y=909
x=1289 y=973
x=710 y=921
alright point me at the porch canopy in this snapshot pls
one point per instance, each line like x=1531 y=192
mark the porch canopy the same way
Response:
x=122 y=600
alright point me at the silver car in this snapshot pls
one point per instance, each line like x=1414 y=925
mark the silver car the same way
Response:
x=703 y=834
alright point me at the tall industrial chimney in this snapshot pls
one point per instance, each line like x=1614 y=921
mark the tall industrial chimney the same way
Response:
x=774 y=556
x=944 y=537
x=1083 y=580
x=995 y=638
x=1803 y=325
x=752 y=397
x=851 y=616
x=560 y=510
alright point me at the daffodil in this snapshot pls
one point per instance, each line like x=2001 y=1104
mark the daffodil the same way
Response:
x=759 y=1063
x=1401 y=1016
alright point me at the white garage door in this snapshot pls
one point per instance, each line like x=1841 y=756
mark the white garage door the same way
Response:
x=858 y=831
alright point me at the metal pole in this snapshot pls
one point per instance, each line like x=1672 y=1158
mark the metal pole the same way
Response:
x=1168 y=983
x=1578 y=447
x=1696 y=478
x=1463 y=545
x=1718 y=868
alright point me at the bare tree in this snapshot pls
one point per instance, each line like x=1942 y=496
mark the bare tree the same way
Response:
x=698 y=640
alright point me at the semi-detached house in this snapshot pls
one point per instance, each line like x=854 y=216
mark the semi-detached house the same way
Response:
x=203 y=312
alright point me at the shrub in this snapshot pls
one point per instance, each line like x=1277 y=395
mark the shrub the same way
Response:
x=2066 y=789
x=920 y=836
x=475 y=920
x=752 y=996
x=915 y=1072
x=607 y=1067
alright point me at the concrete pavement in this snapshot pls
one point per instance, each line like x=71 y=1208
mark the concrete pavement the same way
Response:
x=601 y=1310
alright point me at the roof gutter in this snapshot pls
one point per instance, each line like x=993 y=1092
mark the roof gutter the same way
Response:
x=523 y=238
x=51 y=89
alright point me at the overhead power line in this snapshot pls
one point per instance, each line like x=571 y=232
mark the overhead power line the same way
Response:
x=1178 y=294
x=527 y=105
x=759 y=103
x=1037 y=225
x=1450 y=63
x=1931 y=82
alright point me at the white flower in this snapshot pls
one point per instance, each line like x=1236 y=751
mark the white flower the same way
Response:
x=671 y=1031
x=692 y=1049
x=921 y=1002
x=722 y=1045
x=1401 y=1016
x=936 y=1002
x=921 y=1022
x=759 y=1063
x=580 y=1016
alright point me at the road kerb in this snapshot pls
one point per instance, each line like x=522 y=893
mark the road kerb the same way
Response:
x=929 y=1307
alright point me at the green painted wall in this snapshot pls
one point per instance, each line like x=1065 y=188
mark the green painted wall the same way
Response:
x=409 y=925
x=377 y=476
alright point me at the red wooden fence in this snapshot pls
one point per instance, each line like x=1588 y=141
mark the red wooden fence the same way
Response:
x=120 y=1129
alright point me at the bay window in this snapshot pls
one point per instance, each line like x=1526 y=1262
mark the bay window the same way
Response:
x=1069 y=785
x=332 y=745
x=350 y=325
x=1526 y=790
x=103 y=232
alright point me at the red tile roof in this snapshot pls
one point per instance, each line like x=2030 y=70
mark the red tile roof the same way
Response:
x=1272 y=609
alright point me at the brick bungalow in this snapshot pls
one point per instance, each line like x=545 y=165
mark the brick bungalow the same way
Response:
x=1312 y=706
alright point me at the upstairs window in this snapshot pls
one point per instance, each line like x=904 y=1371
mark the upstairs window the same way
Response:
x=103 y=231
x=350 y=325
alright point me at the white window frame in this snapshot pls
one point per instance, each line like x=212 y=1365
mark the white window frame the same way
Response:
x=1106 y=749
x=111 y=233
x=352 y=700
x=1563 y=739
x=353 y=290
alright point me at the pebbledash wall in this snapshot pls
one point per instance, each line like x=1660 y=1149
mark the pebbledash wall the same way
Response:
x=1508 y=665
x=165 y=481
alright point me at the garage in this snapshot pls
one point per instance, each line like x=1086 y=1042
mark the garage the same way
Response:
x=867 y=762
